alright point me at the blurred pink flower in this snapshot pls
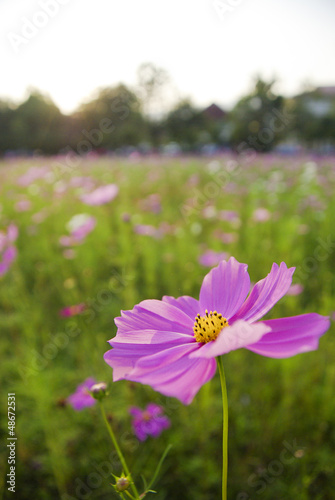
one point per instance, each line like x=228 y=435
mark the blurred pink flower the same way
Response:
x=226 y=238
x=8 y=256
x=211 y=258
x=295 y=289
x=79 y=227
x=69 y=253
x=261 y=215
x=33 y=174
x=229 y=215
x=23 y=205
x=152 y=203
x=39 y=217
x=81 y=398
x=101 y=195
x=209 y=212
x=148 y=422
x=72 y=310
x=8 y=251
x=125 y=217
x=146 y=230
x=82 y=181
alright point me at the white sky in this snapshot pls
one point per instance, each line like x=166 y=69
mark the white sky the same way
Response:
x=89 y=44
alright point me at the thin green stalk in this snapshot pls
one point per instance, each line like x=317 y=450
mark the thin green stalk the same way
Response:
x=118 y=451
x=224 y=428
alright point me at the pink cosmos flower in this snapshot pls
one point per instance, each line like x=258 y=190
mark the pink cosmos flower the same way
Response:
x=23 y=205
x=32 y=175
x=81 y=398
x=171 y=344
x=226 y=238
x=146 y=230
x=8 y=251
x=230 y=216
x=69 y=311
x=101 y=195
x=148 y=422
x=79 y=226
x=211 y=258
x=261 y=215
x=152 y=203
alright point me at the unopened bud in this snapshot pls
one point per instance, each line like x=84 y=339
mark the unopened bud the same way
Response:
x=122 y=483
x=99 y=391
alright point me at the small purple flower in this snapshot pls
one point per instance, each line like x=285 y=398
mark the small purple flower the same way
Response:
x=81 y=398
x=229 y=216
x=148 y=422
x=74 y=310
x=101 y=195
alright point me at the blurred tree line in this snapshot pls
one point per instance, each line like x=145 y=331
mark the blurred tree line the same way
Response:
x=121 y=119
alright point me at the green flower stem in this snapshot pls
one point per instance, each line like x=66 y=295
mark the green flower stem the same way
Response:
x=224 y=428
x=118 y=450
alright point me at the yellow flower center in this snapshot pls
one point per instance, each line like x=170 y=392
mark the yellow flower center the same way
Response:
x=207 y=328
x=146 y=416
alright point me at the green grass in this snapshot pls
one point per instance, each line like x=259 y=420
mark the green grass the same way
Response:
x=274 y=405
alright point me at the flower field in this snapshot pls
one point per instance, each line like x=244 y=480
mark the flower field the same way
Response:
x=81 y=241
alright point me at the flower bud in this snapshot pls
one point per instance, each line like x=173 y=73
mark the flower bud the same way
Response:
x=99 y=391
x=122 y=483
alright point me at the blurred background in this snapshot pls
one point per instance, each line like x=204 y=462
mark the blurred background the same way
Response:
x=141 y=143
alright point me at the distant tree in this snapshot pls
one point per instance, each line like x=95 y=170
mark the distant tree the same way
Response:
x=6 y=136
x=115 y=112
x=257 y=121
x=187 y=125
x=152 y=83
x=314 y=117
x=37 y=124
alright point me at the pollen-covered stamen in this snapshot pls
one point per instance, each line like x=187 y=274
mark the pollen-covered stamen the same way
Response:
x=207 y=328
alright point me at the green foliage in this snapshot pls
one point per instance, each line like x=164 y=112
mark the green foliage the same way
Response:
x=253 y=117
x=314 y=118
x=187 y=125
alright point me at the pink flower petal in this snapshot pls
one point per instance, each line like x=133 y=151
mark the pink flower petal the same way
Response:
x=188 y=305
x=225 y=288
x=101 y=195
x=266 y=293
x=123 y=358
x=173 y=373
x=291 y=336
x=151 y=337
x=155 y=315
